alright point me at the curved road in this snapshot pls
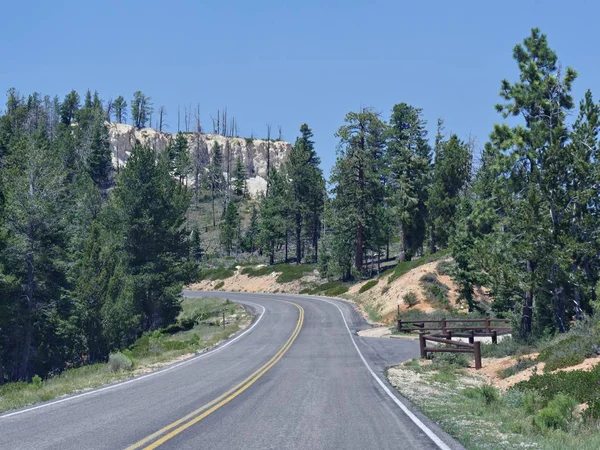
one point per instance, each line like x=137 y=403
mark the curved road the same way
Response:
x=299 y=378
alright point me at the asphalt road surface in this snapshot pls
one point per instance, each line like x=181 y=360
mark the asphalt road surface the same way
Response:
x=299 y=378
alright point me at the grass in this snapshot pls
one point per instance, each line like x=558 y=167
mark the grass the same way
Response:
x=368 y=285
x=287 y=272
x=373 y=312
x=329 y=289
x=217 y=273
x=406 y=266
x=196 y=329
x=481 y=417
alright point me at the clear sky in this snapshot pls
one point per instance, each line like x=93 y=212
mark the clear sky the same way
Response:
x=286 y=63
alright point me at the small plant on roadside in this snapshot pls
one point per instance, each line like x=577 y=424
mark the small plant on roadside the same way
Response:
x=37 y=382
x=445 y=267
x=219 y=285
x=385 y=289
x=118 y=361
x=410 y=299
x=557 y=414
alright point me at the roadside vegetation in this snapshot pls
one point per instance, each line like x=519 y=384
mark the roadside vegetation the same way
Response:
x=198 y=327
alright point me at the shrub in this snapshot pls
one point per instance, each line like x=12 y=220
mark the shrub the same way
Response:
x=368 y=285
x=557 y=414
x=118 y=361
x=454 y=359
x=519 y=366
x=435 y=291
x=559 y=362
x=410 y=299
x=384 y=289
x=36 y=381
x=580 y=385
x=567 y=352
x=445 y=267
x=219 y=285
x=293 y=272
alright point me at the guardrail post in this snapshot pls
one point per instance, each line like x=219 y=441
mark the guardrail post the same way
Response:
x=472 y=337
x=494 y=337
x=487 y=324
x=223 y=320
x=449 y=333
x=477 y=351
x=444 y=325
x=399 y=324
x=422 y=346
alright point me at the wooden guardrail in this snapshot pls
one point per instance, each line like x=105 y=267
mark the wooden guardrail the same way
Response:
x=459 y=347
x=480 y=327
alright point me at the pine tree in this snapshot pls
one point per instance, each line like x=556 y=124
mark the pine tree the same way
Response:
x=451 y=174
x=239 y=178
x=407 y=160
x=196 y=250
x=274 y=213
x=141 y=109
x=120 y=107
x=230 y=228
x=358 y=186
x=252 y=233
x=307 y=188
x=99 y=161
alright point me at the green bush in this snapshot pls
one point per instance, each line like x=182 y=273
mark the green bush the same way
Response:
x=219 y=285
x=293 y=272
x=519 y=366
x=37 y=382
x=487 y=393
x=445 y=267
x=581 y=385
x=435 y=291
x=454 y=359
x=410 y=299
x=559 y=362
x=384 y=289
x=118 y=361
x=557 y=414
x=329 y=289
x=368 y=285
x=568 y=351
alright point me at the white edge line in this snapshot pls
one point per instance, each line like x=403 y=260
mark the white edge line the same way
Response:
x=133 y=380
x=401 y=405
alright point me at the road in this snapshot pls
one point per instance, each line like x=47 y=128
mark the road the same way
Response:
x=300 y=378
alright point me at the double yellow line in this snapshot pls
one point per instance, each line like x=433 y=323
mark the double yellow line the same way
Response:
x=196 y=416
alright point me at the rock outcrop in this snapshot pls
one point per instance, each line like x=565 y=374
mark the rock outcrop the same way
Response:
x=252 y=151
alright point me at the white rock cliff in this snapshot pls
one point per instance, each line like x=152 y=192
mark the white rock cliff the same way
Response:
x=252 y=151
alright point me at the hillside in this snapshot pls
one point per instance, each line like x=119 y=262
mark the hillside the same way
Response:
x=380 y=302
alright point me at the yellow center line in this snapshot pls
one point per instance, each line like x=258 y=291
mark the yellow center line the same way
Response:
x=207 y=409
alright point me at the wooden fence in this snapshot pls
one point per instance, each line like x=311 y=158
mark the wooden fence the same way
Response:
x=456 y=328
x=459 y=347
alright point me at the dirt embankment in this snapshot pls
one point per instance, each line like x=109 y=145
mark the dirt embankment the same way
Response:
x=383 y=299
x=265 y=283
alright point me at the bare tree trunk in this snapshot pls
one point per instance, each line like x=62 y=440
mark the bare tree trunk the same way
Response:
x=268 y=157
x=403 y=244
x=358 y=254
x=298 y=238
x=526 y=321
x=431 y=239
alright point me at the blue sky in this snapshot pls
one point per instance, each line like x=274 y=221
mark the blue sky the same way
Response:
x=286 y=63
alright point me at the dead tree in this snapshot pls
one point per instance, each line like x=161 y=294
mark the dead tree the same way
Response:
x=178 y=118
x=162 y=113
x=280 y=137
x=268 y=156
